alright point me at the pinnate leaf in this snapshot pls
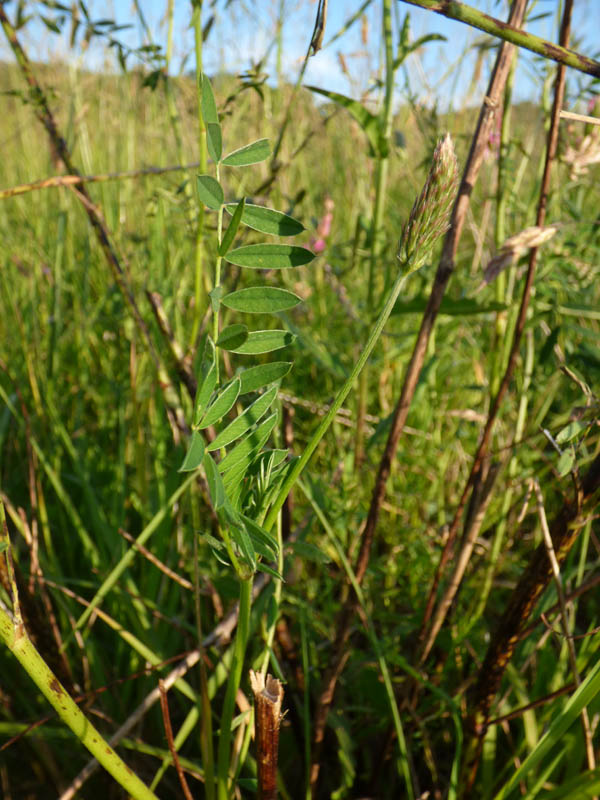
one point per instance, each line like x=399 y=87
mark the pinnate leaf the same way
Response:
x=195 y=453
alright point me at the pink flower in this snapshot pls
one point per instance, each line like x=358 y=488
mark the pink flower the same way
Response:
x=319 y=243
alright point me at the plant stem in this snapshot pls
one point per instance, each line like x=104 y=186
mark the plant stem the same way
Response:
x=341 y=396
x=235 y=674
x=381 y=176
x=202 y=157
x=477 y=19
x=18 y=642
x=217 y=281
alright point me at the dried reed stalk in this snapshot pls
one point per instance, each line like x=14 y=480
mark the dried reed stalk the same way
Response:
x=268 y=697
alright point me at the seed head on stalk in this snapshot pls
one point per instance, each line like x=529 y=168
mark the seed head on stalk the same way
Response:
x=430 y=215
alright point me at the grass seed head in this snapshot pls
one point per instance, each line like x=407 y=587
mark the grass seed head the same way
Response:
x=430 y=215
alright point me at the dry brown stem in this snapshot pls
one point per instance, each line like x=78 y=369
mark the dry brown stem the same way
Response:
x=268 y=697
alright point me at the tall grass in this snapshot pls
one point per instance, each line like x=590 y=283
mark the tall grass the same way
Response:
x=407 y=599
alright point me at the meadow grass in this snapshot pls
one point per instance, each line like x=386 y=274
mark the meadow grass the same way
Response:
x=90 y=450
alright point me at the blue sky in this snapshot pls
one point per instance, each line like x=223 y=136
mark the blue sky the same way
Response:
x=244 y=32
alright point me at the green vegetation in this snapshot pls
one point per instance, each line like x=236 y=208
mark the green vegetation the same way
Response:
x=247 y=422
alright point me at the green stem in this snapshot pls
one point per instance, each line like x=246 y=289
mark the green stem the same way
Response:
x=235 y=674
x=203 y=159
x=20 y=645
x=342 y=394
x=217 y=281
x=477 y=19
x=381 y=176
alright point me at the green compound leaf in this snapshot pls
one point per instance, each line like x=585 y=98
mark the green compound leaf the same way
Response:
x=231 y=231
x=207 y=103
x=256 y=377
x=195 y=454
x=249 y=447
x=245 y=421
x=216 y=489
x=270 y=256
x=261 y=300
x=210 y=192
x=207 y=380
x=214 y=141
x=266 y=220
x=264 y=342
x=221 y=405
x=251 y=153
x=232 y=337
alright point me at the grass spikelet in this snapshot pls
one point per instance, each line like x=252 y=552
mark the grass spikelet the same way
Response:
x=430 y=215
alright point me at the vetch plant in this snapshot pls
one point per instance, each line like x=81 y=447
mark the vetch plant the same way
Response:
x=248 y=484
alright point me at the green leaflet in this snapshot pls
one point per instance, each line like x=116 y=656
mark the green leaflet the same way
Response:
x=207 y=102
x=255 y=378
x=251 y=153
x=260 y=536
x=215 y=483
x=261 y=300
x=235 y=524
x=271 y=457
x=221 y=405
x=207 y=380
x=214 y=141
x=195 y=453
x=250 y=445
x=266 y=220
x=270 y=256
x=210 y=192
x=245 y=421
x=233 y=337
x=231 y=231
x=264 y=341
